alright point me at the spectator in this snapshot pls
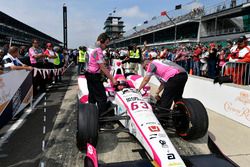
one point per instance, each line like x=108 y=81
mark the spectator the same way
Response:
x=196 y=60
x=37 y=56
x=212 y=60
x=49 y=61
x=169 y=55
x=51 y=55
x=11 y=60
x=23 y=51
x=163 y=53
x=153 y=54
x=180 y=57
x=203 y=61
x=221 y=59
x=1 y=55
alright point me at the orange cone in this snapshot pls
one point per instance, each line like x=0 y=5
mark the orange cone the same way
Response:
x=191 y=71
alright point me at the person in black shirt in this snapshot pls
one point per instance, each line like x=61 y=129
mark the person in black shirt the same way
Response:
x=212 y=61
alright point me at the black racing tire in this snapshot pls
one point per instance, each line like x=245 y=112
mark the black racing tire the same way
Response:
x=87 y=125
x=88 y=162
x=192 y=123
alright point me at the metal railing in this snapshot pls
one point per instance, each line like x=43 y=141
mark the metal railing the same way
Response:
x=183 y=14
x=239 y=72
x=226 y=4
x=187 y=12
x=224 y=31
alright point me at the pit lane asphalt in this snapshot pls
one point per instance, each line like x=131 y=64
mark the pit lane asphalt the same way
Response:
x=24 y=147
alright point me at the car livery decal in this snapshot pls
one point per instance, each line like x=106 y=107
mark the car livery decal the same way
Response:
x=150 y=129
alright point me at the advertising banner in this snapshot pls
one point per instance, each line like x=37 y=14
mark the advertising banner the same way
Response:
x=16 y=92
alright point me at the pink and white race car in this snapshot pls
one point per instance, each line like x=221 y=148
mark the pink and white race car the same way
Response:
x=142 y=119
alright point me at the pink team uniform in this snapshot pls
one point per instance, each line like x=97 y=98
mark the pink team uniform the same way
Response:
x=95 y=58
x=163 y=71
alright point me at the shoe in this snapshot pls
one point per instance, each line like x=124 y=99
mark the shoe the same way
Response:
x=216 y=80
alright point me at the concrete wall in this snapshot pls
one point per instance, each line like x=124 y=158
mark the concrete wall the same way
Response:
x=229 y=100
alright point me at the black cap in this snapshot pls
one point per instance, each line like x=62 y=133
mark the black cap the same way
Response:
x=241 y=38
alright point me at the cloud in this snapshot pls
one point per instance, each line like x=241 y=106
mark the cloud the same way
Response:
x=134 y=12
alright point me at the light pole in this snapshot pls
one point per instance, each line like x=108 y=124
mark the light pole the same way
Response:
x=65 y=27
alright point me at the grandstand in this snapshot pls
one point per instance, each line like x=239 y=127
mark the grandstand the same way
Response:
x=19 y=33
x=219 y=22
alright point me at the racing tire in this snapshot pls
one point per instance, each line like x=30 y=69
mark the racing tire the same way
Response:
x=192 y=123
x=87 y=126
x=88 y=162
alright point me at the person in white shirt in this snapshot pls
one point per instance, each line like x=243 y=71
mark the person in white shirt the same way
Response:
x=10 y=60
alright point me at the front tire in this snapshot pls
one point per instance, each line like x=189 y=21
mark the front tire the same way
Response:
x=192 y=123
x=87 y=125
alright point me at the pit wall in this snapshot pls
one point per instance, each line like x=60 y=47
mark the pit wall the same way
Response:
x=229 y=100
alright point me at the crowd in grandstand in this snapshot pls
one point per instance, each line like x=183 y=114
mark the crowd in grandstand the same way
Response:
x=201 y=60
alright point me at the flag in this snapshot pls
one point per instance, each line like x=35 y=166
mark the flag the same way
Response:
x=145 y=22
x=164 y=13
x=178 y=7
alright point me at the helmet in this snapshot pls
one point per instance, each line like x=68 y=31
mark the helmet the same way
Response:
x=122 y=83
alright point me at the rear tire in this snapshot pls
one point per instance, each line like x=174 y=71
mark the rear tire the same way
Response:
x=87 y=126
x=193 y=121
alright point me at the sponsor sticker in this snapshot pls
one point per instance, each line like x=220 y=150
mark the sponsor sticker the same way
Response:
x=171 y=156
x=129 y=99
x=90 y=149
x=163 y=143
x=154 y=128
x=152 y=136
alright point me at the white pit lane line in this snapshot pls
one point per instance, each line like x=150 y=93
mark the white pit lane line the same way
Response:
x=20 y=121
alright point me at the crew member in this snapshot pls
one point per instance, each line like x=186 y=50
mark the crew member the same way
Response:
x=96 y=65
x=133 y=59
x=172 y=78
x=81 y=59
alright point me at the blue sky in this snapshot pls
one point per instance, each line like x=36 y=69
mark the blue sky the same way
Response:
x=85 y=17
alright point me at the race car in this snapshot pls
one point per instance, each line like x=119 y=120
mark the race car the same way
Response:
x=141 y=118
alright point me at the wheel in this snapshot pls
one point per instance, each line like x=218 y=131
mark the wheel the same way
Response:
x=192 y=122
x=88 y=162
x=87 y=125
